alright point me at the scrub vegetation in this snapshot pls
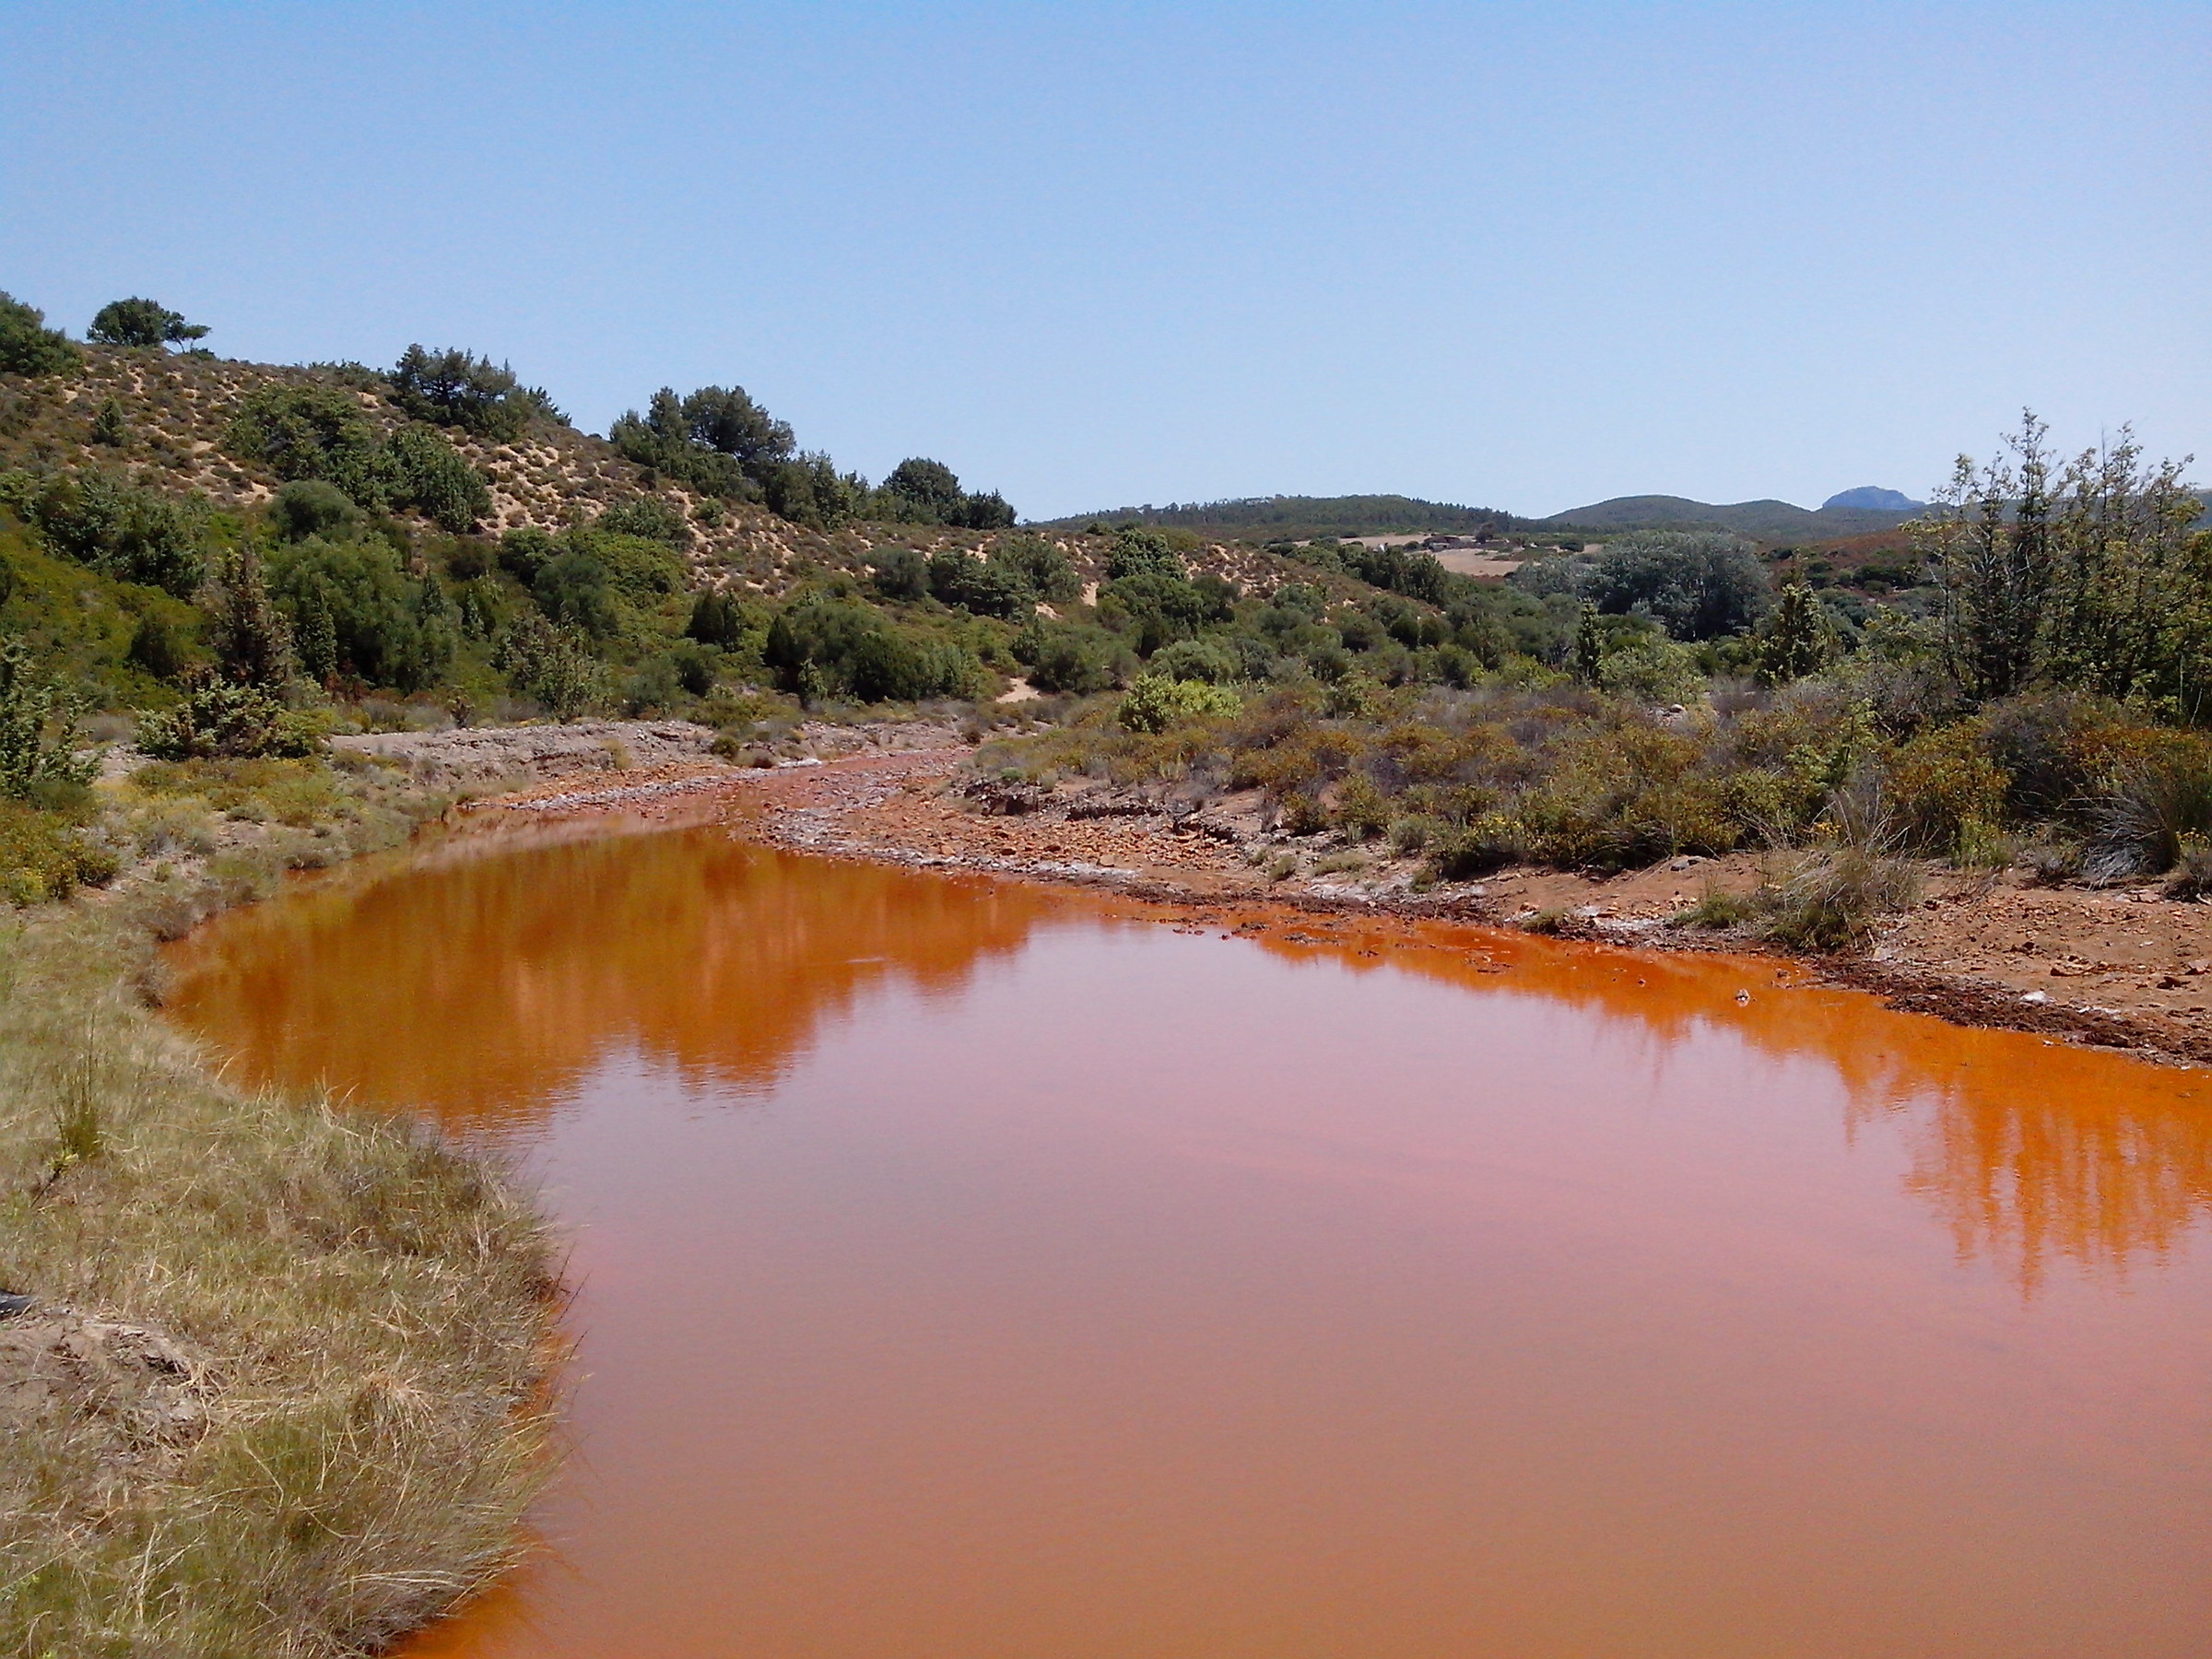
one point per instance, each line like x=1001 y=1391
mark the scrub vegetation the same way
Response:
x=273 y=1372
x=2041 y=695
x=280 y=1387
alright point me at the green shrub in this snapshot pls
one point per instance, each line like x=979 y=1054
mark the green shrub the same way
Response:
x=458 y=389
x=900 y=572
x=1479 y=847
x=550 y=666
x=28 y=347
x=723 y=620
x=653 y=517
x=1214 y=660
x=824 y=645
x=1361 y=808
x=1941 y=782
x=1063 y=656
x=1047 y=571
x=572 y=589
x=356 y=612
x=987 y=587
x=305 y=507
x=1717 y=907
x=1652 y=670
x=37 y=732
x=323 y=432
x=43 y=857
x=1835 y=902
x=890 y=666
x=2152 y=812
x=1699 y=585
x=1154 y=703
x=220 y=720
x=137 y=535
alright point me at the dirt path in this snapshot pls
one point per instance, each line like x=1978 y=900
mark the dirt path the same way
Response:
x=2127 y=970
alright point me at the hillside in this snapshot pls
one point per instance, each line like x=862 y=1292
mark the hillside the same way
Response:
x=1301 y=518
x=177 y=411
x=377 y=536
x=1768 y=521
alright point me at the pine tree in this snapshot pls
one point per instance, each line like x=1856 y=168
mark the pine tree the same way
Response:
x=1797 y=638
x=253 y=642
x=1589 y=645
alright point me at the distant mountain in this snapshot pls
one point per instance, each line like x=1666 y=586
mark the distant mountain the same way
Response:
x=1875 y=497
x=1766 y=521
x=1301 y=518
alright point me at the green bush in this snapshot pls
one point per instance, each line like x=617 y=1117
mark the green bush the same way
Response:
x=1061 y=656
x=1215 y=662
x=1479 y=847
x=219 y=720
x=37 y=732
x=99 y=520
x=305 y=507
x=355 y=612
x=824 y=643
x=1154 y=702
x=323 y=432
x=900 y=572
x=725 y=621
x=1651 y=671
x=653 y=517
x=458 y=389
x=1143 y=553
x=1044 y=566
x=987 y=587
x=1699 y=585
x=43 y=857
x=551 y=665
x=1361 y=808
x=2157 y=809
x=28 y=347
x=929 y=493
x=1941 y=783
x=1835 y=902
x=572 y=589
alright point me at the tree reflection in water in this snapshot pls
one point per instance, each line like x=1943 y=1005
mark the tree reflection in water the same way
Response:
x=531 y=954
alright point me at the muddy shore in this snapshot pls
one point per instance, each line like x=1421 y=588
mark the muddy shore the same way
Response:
x=2120 y=969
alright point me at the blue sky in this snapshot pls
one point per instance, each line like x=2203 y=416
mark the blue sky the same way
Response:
x=1519 y=255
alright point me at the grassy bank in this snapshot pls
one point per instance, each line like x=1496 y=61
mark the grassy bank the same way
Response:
x=280 y=1387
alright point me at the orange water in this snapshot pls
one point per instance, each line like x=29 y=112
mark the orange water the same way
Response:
x=968 y=1271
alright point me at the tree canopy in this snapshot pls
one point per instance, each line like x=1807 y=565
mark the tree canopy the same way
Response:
x=138 y=322
x=456 y=388
x=28 y=345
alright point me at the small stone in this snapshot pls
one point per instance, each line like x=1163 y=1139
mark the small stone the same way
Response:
x=2037 y=996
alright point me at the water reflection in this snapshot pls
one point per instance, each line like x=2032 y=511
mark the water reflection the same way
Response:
x=2031 y=1152
x=531 y=955
x=535 y=952
x=1086 y=1290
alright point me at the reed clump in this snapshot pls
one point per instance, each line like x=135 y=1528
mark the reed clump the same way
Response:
x=281 y=1389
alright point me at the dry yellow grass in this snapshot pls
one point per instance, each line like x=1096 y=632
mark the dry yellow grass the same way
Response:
x=283 y=1389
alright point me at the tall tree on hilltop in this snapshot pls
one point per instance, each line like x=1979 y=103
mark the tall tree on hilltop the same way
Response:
x=138 y=322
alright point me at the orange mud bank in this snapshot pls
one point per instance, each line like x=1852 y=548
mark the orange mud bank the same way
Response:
x=2126 y=970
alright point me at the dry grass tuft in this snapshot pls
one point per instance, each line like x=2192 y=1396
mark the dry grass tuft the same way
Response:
x=352 y=1327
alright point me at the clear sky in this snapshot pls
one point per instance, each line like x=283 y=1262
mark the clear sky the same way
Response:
x=1527 y=256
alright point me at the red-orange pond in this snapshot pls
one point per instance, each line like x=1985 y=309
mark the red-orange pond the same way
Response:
x=971 y=1271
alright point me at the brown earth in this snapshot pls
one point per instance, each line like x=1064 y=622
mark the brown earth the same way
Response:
x=2119 y=969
